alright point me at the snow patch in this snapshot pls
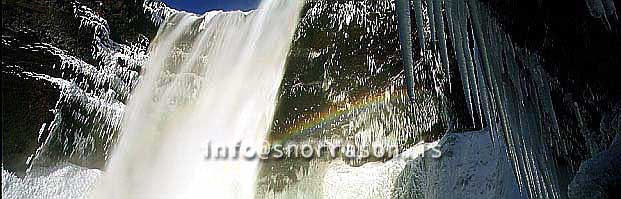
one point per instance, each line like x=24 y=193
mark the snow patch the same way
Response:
x=62 y=182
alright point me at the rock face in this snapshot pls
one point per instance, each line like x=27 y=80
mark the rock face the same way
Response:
x=67 y=69
x=600 y=176
x=344 y=81
x=477 y=70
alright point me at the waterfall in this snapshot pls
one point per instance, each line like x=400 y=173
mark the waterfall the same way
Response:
x=210 y=79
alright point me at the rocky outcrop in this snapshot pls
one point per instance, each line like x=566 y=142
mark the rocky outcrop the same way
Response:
x=600 y=176
x=67 y=69
x=470 y=166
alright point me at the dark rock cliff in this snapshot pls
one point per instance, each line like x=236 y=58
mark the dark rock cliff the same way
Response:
x=66 y=68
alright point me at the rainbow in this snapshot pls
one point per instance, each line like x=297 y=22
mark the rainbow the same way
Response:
x=337 y=113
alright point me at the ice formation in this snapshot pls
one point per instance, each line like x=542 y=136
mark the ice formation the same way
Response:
x=90 y=105
x=60 y=182
x=360 y=94
x=492 y=70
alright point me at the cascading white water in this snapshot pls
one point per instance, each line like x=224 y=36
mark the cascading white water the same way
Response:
x=213 y=78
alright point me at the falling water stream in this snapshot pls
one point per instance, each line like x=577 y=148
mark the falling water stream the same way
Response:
x=210 y=79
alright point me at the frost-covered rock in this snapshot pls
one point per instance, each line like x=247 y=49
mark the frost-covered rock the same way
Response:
x=374 y=179
x=70 y=66
x=337 y=179
x=60 y=182
x=600 y=176
x=470 y=166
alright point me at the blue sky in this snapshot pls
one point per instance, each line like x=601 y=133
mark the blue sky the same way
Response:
x=202 y=6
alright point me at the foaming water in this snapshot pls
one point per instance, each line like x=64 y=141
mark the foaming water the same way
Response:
x=213 y=78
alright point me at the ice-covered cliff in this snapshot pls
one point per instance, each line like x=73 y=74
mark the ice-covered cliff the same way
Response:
x=534 y=76
x=68 y=67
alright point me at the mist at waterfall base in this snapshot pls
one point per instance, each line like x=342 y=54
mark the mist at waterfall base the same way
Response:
x=212 y=78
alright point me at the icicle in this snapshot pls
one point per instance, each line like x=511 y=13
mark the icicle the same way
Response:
x=418 y=11
x=470 y=65
x=457 y=39
x=432 y=23
x=599 y=9
x=483 y=89
x=484 y=63
x=405 y=36
x=611 y=10
x=441 y=38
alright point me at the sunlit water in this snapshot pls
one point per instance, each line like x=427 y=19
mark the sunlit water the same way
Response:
x=211 y=78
